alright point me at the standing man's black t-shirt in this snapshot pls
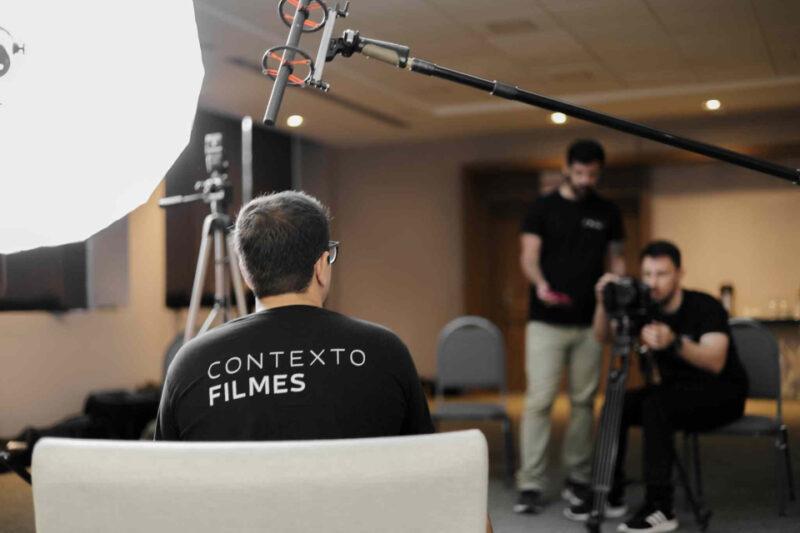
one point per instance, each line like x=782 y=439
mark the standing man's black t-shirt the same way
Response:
x=294 y=372
x=698 y=314
x=575 y=237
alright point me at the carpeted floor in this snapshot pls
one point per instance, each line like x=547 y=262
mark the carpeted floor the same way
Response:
x=739 y=475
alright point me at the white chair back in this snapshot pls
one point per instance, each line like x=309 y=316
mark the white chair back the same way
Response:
x=434 y=483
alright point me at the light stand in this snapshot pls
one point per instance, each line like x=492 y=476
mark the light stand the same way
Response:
x=214 y=192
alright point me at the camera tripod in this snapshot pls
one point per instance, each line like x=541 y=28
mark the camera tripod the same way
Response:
x=216 y=227
x=607 y=447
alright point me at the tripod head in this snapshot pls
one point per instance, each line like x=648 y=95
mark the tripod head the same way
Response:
x=214 y=190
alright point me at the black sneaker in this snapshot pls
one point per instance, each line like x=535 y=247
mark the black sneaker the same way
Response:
x=529 y=502
x=615 y=508
x=651 y=518
x=576 y=493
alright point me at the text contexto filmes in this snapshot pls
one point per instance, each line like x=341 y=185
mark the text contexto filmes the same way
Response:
x=287 y=362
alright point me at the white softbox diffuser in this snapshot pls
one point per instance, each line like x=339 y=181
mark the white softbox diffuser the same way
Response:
x=97 y=99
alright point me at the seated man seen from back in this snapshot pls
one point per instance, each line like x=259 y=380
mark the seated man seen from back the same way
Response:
x=292 y=369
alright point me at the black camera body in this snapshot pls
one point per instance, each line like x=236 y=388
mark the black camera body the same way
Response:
x=630 y=298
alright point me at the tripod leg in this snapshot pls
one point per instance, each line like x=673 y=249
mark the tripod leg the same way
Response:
x=509 y=444
x=199 y=280
x=209 y=319
x=236 y=277
x=701 y=515
x=788 y=461
x=698 y=476
x=221 y=293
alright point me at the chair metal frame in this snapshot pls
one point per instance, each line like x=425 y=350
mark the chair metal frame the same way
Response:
x=779 y=430
x=500 y=384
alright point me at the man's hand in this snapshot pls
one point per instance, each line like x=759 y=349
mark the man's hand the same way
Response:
x=604 y=280
x=546 y=295
x=657 y=336
x=552 y=298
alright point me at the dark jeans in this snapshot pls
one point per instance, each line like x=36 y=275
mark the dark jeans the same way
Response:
x=660 y=411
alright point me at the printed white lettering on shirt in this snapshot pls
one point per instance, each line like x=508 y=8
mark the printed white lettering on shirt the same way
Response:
x=593 y=223
x=257 y=362
x=266 y=385
x=317 y=357
x=241 y=384
x=293 y=358
x=363 y=358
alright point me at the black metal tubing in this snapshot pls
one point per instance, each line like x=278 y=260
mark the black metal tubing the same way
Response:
x=21 y=471
x=511 y=92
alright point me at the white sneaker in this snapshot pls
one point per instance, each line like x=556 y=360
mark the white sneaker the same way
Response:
x=651 y=519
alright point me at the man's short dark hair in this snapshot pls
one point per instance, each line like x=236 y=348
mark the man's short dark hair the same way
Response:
x=279 y=238
x=662 y=249
x=586 y=151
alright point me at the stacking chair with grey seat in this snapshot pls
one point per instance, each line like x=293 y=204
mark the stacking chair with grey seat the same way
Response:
x=760 y=355
x=471 y=355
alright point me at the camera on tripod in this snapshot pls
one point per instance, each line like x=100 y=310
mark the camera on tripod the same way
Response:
x=629 y=298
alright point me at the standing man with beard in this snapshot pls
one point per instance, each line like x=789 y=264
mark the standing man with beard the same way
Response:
x=567 y=238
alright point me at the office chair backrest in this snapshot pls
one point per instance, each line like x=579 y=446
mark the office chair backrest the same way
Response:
x=398 y=484
x=471 y=354
x=760 y=355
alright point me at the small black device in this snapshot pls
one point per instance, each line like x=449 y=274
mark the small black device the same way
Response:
x=629 y=297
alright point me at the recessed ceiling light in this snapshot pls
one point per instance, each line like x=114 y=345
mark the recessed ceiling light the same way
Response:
x=712 y=105
x=558 y=118
x=294 y=121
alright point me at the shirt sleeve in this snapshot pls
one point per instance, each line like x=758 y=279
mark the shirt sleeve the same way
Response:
x=616 y=227
x=166 y=427
x=534 y=220
x=714 y=318
x=417 y=418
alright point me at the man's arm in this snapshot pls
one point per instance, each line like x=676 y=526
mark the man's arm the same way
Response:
x=165 y=422
x=600 y=323
x=166 y=428
x=530 y=253
x=708 y=354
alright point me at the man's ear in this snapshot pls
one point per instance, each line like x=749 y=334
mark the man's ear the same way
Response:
x=246 y=276
x=319 y=267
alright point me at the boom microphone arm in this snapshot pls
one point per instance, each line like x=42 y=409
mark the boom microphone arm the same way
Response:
x=398 y=55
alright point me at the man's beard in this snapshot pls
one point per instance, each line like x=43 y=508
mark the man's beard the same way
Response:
x=662 y=302
x=580 y=192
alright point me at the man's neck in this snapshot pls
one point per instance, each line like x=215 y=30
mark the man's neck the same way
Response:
x=674 y=303
x=289 y=298
x=567 y=193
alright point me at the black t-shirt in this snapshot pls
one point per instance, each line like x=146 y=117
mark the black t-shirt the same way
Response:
x=575 y=237
x=699 y=314
x=294 y=372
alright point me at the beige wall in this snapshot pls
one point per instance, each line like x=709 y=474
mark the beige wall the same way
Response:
x=397 y=211
x=398 y=217
x=49 y=362
x=732 y=227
